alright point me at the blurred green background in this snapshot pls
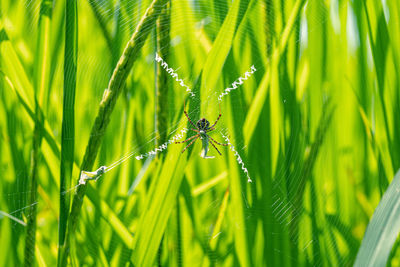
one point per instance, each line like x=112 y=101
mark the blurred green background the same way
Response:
x=316 y=126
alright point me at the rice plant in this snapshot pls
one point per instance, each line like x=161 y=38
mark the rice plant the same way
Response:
x=199 y=133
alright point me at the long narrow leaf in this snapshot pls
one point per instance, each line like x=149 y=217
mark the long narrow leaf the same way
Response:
x=383 y=228
x=41 y=85
x=106 y=107
x=68 y=120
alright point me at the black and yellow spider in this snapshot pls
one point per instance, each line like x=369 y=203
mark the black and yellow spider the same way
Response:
x=202 y=127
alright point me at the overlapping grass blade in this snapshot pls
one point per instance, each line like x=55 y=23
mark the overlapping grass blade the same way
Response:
x=41 y=87
x=163 y=192
x=112 y=218
x=314 y=187
x=20 y=169
x=13 y=68
x=237 y=211
x=162 y=83
x=68 y=118
x=383 y=229
x=261 y=94
x=107 y=105
x=222 y=44
x=102 y=20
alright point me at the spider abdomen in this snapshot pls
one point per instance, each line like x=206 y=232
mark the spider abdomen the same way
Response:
x=203 y=124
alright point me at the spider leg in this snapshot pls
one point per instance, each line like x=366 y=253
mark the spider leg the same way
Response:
x=184 y=111
x=210 y=129
x=190 y=144
x=195 y=130
x=190 y=138
x=215 y=147
x=219 y=116
x=217 y=142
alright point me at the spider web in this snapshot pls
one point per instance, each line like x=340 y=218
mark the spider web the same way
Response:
x=133 y=159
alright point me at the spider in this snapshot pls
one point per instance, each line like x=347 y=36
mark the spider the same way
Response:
x=202 y=127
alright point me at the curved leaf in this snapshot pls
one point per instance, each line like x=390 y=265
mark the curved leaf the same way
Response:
x=383 y=228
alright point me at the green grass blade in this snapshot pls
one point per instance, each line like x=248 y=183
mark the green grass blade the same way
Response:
x=13 y=68
x=110 y=217
x=344 y=231
x=218 y=223
x=222 y=44
x=30 y=239
x=379 y=48
x=107 y=104
x=46 y=131
x=317 y=175
x=19 y=168
x=237 y=211
x=162 y=83
x=41 y=86
x=68 y=120
x=261 y=94
x=18 y=81
x=204 y=187
x=102 y=23
x=163 y=192
x=382 y=230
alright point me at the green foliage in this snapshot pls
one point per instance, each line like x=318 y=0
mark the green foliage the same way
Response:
x=68 y=118
x=316 y=126
x=382 y=230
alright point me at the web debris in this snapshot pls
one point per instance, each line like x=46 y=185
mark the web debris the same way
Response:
x=239 y=81
x=235 y=84
x=173 y=74
x=85 y=175
x=95 y=175
x=238 y=158
x=163 y=146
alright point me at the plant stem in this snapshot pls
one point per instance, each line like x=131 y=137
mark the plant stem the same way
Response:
x=163 y=42
x=41 y=85
x=107 y=104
